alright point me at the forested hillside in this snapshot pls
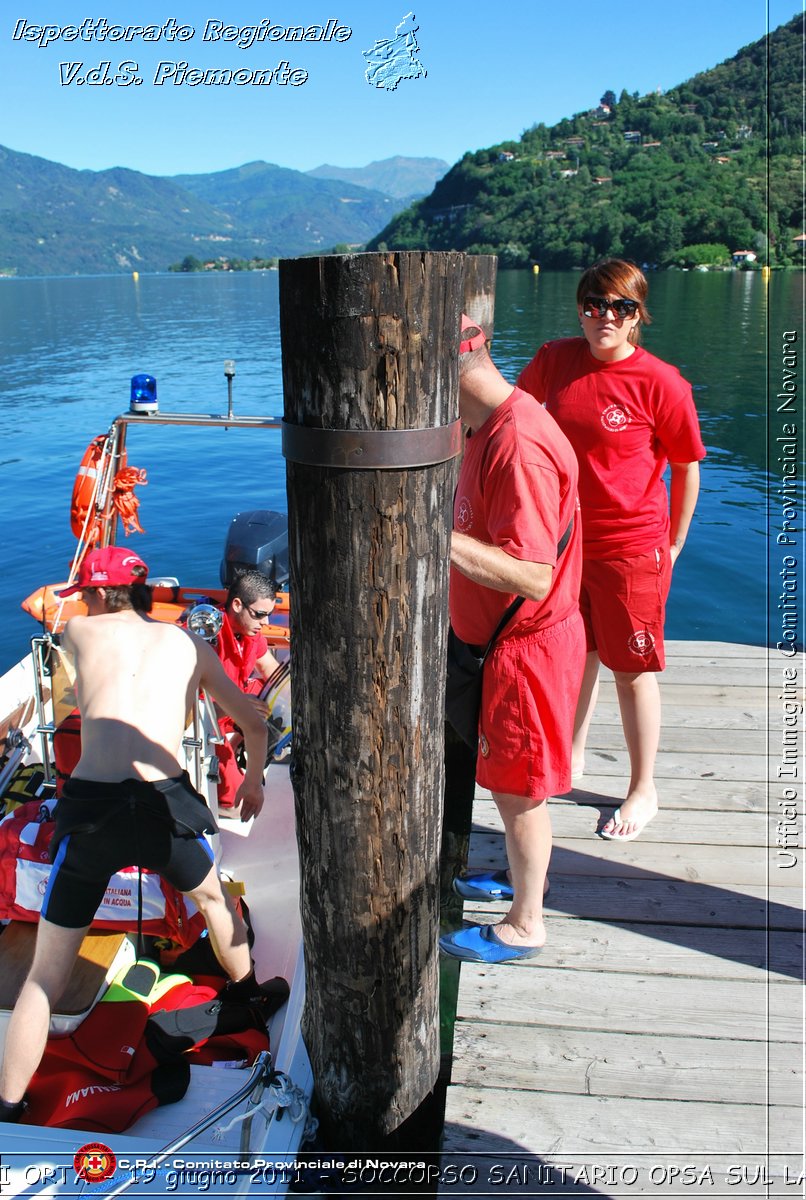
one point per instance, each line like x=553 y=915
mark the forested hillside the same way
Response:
x=692 y=175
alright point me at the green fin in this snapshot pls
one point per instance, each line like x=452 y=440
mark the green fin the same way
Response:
x=133 y=982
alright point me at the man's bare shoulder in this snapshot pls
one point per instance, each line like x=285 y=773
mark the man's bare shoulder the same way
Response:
x=171 y=639
x=73 y=631
x=128 y=628
x=76 y=624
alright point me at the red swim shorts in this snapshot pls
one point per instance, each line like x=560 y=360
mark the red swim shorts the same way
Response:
x=529 y=698
x=623 y=605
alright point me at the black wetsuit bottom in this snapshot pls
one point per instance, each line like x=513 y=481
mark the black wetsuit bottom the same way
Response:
x=103 y=827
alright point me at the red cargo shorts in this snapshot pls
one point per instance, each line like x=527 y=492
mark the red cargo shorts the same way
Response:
x=529 y=697
x=623 y=605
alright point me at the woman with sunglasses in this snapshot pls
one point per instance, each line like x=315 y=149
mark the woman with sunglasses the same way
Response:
x=627 y=414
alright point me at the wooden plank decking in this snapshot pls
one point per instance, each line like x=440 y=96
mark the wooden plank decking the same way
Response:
x=656 y=1046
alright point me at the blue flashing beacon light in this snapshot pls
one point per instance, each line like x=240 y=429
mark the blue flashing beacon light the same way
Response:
x=143 y=394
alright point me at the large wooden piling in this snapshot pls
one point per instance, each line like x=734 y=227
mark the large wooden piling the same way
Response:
x=369 y=346
x=479 y=293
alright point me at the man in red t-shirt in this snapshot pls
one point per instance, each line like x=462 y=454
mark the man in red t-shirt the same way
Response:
x=515 y=499
x=248 y=661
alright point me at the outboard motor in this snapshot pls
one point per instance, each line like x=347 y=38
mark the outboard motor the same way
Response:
x=257 y=541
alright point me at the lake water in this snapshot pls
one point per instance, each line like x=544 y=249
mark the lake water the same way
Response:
x=70 y=347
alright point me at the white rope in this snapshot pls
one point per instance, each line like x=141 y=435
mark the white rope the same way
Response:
x=279 y=1092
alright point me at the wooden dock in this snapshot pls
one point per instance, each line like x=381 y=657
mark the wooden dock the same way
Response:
x=656 y=1046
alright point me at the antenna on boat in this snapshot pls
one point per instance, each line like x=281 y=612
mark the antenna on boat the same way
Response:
x=229 y=372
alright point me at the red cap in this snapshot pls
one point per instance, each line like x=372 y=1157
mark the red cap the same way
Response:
x=112 y=566
x=475 y=340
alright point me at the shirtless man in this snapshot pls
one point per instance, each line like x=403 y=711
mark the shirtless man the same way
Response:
x=129 y=802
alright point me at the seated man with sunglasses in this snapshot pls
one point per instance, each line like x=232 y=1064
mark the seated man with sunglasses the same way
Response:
x=248 y=661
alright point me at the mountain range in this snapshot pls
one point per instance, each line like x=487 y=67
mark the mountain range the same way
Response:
x=57 y=220
x=403 y=178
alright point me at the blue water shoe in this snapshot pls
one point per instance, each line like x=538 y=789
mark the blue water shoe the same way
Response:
x=487 y=885
x=483 y=885
x=480 y=943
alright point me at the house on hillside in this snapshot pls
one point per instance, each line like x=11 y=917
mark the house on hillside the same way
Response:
x=633 y=136
x=740 y=258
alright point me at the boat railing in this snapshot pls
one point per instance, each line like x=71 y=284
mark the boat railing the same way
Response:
x=16 y=746
x=201 y=740
x=42 y=653
x=116 y=441
x=230 y=421
x=262 y=1076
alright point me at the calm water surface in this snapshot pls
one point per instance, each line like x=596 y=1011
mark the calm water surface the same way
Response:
x=70 y=346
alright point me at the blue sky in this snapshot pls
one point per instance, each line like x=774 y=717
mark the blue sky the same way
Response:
x=493 y=70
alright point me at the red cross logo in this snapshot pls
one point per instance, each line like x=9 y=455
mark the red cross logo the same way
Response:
x=94 y=1163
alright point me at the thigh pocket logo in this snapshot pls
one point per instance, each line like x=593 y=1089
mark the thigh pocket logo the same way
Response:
x=642 y=642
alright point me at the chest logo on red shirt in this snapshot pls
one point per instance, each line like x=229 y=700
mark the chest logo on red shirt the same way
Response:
x=464 y=515
x=614 y=418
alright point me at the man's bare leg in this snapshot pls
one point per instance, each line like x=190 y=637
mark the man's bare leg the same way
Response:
x=527 y=830
x=639 y=701
x=55 y=953
x=586 y=704
x=225 y=926
x=230 y=943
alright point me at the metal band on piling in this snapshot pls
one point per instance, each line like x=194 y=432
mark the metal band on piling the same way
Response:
x=383 y=449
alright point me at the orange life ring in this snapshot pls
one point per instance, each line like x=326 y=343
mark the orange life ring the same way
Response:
x=85 y=491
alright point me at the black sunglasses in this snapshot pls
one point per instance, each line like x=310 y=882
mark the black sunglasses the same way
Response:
x=258 y=614
x=597 y=306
